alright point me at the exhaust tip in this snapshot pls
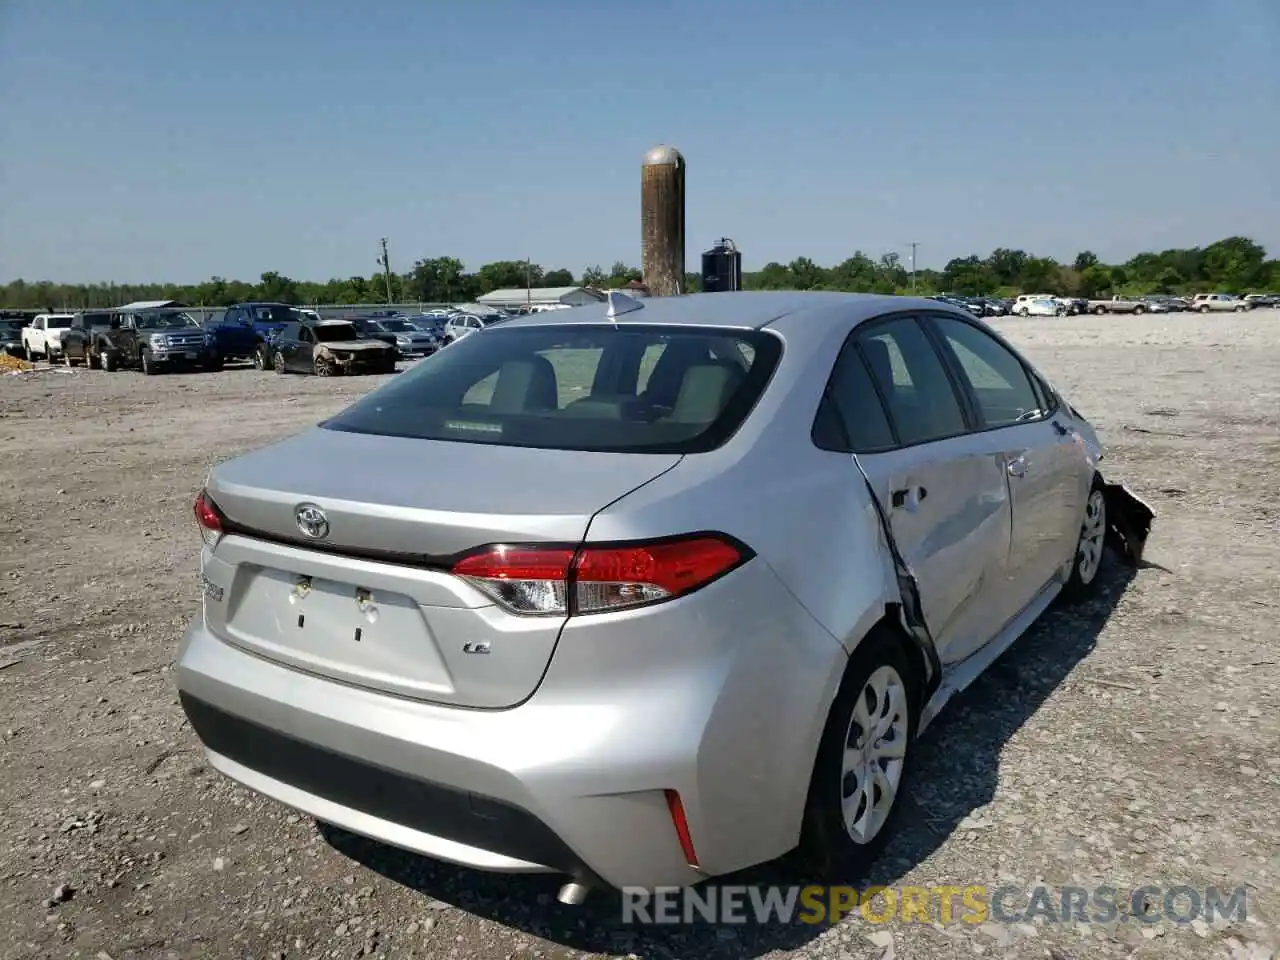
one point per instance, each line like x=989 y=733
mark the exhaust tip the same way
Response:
x=573 y=894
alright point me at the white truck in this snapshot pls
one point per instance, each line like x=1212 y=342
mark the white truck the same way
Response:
x=42 y=339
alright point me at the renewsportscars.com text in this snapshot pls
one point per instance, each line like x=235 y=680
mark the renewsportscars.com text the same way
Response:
x=973 y=904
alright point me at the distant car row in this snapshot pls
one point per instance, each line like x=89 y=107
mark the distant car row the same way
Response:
x=157 y=336
x=1051 y=305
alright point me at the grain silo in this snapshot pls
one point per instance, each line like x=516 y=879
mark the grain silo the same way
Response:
x=662 y=221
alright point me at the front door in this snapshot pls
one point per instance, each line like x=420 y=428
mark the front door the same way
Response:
x=947 y=501
x=1042 y=461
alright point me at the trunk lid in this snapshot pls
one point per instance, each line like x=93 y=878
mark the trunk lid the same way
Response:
x=369 y=603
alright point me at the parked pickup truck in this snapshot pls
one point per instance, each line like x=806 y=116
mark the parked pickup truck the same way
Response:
x=1119 y=305
x=156 y=340
x=234 y=336
x=265 y=318
x=43 y=339
x=88 y=339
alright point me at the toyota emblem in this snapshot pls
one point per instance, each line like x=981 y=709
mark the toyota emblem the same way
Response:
x=312 y=522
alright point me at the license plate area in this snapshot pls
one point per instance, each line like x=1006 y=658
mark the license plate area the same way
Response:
x=370 y=637
x=192 y=355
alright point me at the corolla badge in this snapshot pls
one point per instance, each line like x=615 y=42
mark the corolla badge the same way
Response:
x=312 y=522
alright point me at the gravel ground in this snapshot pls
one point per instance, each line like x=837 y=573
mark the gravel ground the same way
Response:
x=1128 y=742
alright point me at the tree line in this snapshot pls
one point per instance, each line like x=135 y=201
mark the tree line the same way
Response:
x=1232 y=265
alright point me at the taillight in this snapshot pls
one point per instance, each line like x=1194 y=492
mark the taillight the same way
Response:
x=558 y=580
x=208 y=520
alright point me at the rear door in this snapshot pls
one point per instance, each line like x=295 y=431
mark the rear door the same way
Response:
x=1047 y=471
x=947 y=501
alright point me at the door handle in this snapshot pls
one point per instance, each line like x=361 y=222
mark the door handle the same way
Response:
x=1017 y=467
x=908 y=498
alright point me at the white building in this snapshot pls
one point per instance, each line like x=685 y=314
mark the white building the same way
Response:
x=540 y=297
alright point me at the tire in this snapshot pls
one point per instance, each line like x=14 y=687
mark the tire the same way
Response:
x=1139 y=311
x=1241 y=309
x=322 y=367
x=148 y=364
x=106 y=362
x=260 y=358
x=91 y=358
x=1024 y=312
x=277 y=362
x=1099 y=311
x=1204 y=309
x=1091 y=547
x=827 y=845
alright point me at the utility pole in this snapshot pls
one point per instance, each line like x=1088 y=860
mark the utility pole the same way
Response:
x=914 y=244
x=385 y=261
x=528 y=283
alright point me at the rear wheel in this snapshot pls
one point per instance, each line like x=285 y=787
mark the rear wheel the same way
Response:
x=1204 y=308
x=863 y=760
x=277 y=362
x=106 y=361
x=1139 y=311
x=1090 y=547
x=1099 y=311
x=148 y=363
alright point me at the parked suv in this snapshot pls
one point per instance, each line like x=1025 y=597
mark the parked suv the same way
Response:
x=1219 y=302
x=462 y=324
x=11 y=336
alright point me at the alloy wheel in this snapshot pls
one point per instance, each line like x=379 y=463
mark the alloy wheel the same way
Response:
x=875 y=750
x=1092 y=535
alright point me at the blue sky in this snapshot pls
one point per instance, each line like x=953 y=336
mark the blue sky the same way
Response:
x=149 y=140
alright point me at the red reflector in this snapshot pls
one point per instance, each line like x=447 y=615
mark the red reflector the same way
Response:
x=676 y=566
x=206 y=515
x=681 y=824
x=516 y=563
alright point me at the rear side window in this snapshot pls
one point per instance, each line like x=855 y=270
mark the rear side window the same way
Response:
x=637 y=388
x=921 y=401
x=852 y=416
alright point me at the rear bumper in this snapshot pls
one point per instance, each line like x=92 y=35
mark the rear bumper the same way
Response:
x=573 y=780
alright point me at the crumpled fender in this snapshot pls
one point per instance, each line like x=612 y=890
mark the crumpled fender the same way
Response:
x=1129 y=521
x=1129 y=518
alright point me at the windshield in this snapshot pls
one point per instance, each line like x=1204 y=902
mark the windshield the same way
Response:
x=399 y=326
x=639 y=389
x=159 y=320
x=334 y=332
x=12 y=326
x=367 y=326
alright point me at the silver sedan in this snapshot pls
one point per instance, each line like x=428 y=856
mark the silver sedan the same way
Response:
x=641 y=593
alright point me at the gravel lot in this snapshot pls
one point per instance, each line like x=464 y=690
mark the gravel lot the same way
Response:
x=1133 y=741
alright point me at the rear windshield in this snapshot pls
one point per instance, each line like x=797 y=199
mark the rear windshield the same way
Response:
x=634 y=389
x=334 y=332
x=58 y=323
